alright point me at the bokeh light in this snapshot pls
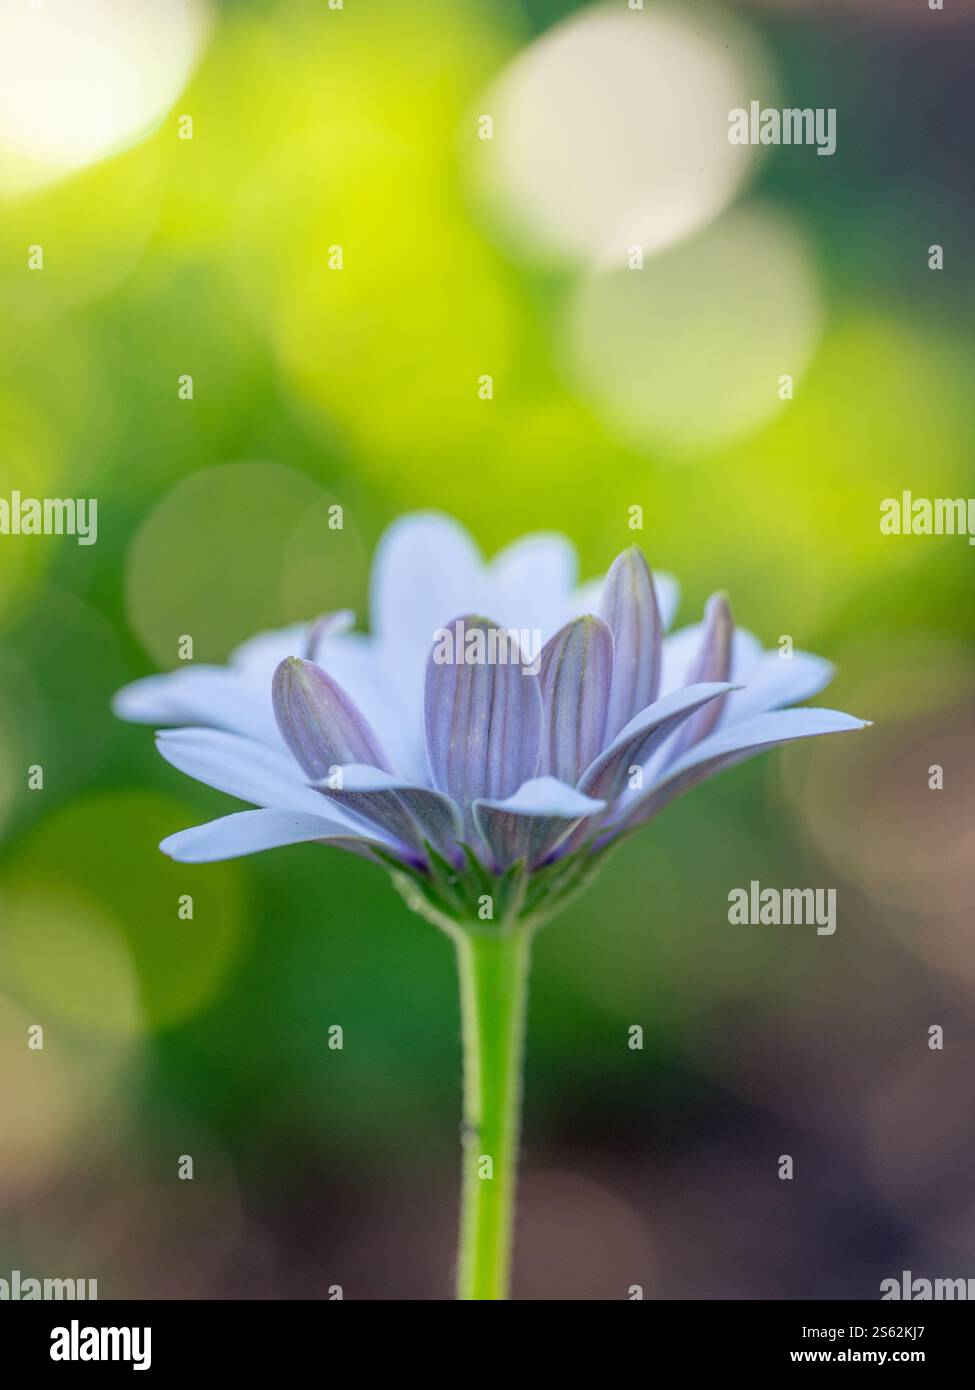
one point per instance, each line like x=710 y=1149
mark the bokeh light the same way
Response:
x=79 y=82
x=100 y=953
x=51 y=1095
x=611 y=130
x=689 y=350
x=258 y=552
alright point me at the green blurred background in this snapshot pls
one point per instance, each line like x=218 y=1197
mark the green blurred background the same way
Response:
x=360 y=129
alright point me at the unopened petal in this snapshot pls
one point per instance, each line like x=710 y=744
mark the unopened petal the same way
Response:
x=576 y=676
x=319 y=722
x=712 y=662
x=629 y=608
x=483 y=714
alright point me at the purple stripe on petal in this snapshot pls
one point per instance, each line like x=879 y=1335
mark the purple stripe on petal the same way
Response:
x=533 y=822
x=576 y=675
x=483 y=713
x=712 y=662
x=609 y=775
x=319 y=722
x=410 y=814
x=629 y=607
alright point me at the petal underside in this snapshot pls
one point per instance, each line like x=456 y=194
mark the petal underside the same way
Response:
x=576 y=675
x=320 y=722
x=483 y=715
x=609 y=774
x=726 y=747
x=411 y=815
x=248 y=832
x=628 y=606
x=533 y=822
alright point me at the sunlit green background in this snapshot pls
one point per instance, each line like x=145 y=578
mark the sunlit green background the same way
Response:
x=462 y=257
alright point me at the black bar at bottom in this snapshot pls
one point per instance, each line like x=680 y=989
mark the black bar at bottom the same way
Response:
x=168 y=1339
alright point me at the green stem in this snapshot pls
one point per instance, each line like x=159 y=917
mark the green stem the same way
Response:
x=493 y=971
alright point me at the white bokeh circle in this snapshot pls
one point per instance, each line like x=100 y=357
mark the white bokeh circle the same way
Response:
x=612 y=128
x=689 y=352
x=82 y=79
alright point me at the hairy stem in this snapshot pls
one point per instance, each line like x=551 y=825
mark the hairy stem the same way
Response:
x=493 y=972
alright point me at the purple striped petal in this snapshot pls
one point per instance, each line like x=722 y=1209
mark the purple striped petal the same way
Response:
x=483 y=715
x=609 y=774
x=533 y=822
x=576 y=675
x=680 y=651
x=247 y=832
x=410 y=814
x=665 y=587
x=712 y=662
x=733 y=745
x=319 y=722
x=629 y=607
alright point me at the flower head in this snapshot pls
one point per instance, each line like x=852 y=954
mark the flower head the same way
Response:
x=474 y=755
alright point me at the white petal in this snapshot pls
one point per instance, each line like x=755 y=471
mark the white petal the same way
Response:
x=531 y=582
x=681 y=647
x=247 y=832
x=425 y=570
x=776 y=726
x=731 y=745
x=585 y=599
x=259 y=655
x=237 y=697
x=242 y=768
x=774 y=683
x=211 y=695
x=668 y=597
